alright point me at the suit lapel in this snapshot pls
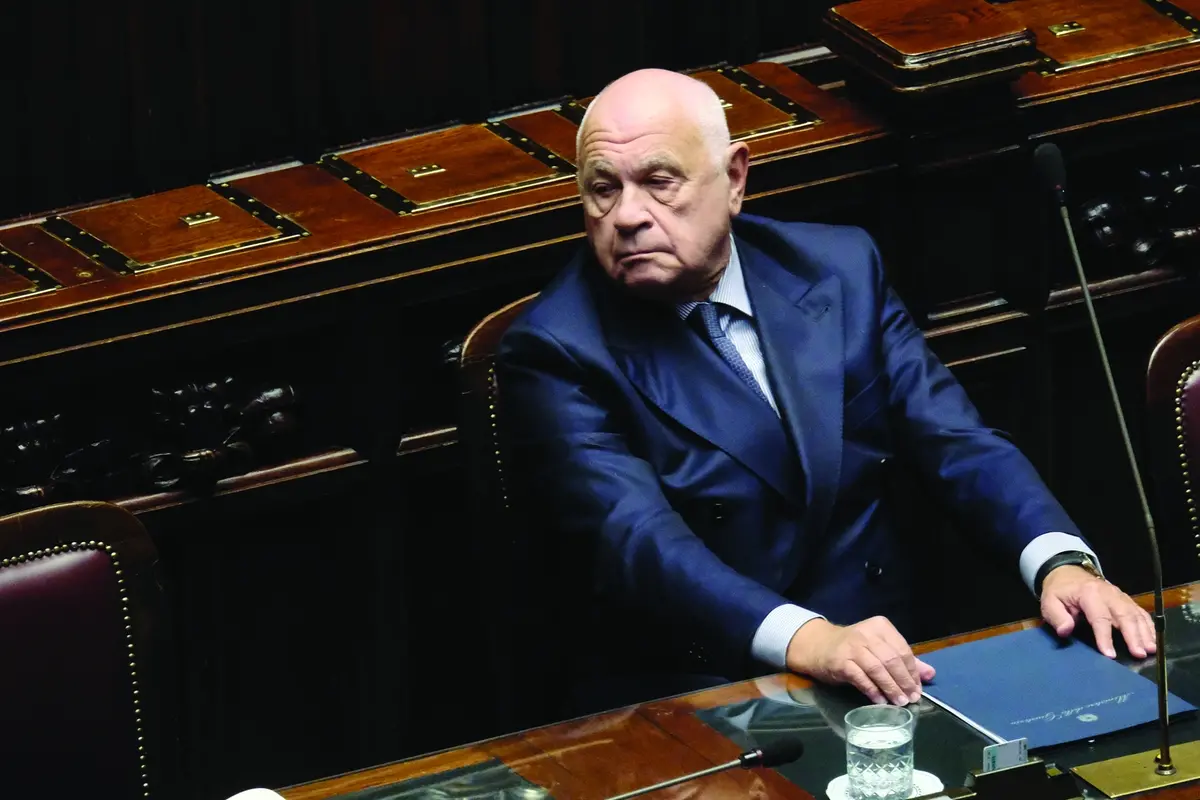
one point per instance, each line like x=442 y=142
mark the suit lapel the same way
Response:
x=687 y=380
x=800 y=327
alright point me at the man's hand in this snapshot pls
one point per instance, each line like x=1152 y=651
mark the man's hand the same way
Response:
x=1070 y=590
x=871 y=655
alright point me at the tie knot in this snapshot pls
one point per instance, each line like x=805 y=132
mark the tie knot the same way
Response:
x=709 y=316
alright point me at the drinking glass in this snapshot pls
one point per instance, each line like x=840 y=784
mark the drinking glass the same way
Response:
x=879 y=752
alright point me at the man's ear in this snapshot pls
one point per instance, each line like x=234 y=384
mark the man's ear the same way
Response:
x=737 y=160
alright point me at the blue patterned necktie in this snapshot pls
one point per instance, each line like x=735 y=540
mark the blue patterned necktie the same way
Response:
x=707 y=314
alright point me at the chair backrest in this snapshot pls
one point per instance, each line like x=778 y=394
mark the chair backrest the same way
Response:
x=511 y=574
x=1173 y=405
x=79 y=606
x=480 y=423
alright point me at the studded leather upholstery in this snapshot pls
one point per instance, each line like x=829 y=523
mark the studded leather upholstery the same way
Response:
x=516 y=620
x=1173 y=402
x=79 y=717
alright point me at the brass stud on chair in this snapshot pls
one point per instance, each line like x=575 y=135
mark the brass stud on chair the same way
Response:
x=112 y=554
x=1181 y=439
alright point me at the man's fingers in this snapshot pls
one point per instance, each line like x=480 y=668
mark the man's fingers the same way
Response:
x=1138 y=630
x=1057 y=615
x=873 y=657
x=925 y=671
x=859 y=680
x=1099 y=615
x=882 y=676
x=1151 y=634
x=899 y=668
x=908 y=661
x=891 y=638
x=1130 y=623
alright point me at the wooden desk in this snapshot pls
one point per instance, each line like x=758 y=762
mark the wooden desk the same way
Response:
x=606 y=754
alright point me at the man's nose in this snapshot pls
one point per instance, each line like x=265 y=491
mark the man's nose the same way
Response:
x=631 y=213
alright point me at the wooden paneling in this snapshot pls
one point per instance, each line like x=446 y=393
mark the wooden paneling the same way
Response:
x=449 y=164
x=1109 y=27
x=151 y=229
x=135 y=96
x=930 y=26
x=319 y=599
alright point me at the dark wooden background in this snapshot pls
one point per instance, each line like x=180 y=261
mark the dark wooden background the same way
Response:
x=332 y=622
x=135 y=96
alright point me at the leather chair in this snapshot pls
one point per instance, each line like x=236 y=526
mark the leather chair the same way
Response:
x=514 y=574
x=79 y=610
x=480 y=423
x=1173 y=405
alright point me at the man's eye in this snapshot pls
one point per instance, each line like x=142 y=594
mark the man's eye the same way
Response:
x=659 y=182
x=602 y=189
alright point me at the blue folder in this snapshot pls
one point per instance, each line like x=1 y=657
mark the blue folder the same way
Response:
x=1033 y=685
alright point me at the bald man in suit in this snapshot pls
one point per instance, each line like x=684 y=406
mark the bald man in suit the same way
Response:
x=706 y=403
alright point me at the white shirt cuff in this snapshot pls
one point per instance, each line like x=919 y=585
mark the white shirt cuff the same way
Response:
x=1045 y=547
x=773 y=636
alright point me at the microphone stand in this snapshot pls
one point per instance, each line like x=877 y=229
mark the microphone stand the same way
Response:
x=769 y=756
x=676 y=781
x=1125 y=775
x=1163 y=759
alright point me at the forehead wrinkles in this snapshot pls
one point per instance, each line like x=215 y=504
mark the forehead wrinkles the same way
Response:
x=605 y=151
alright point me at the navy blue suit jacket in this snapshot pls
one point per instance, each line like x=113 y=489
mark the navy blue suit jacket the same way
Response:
x=698 y=509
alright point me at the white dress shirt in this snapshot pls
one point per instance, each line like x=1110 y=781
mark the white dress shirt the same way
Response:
x=736 y=316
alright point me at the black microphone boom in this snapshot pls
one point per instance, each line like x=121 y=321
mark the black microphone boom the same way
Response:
x=775 y=754
x=1048 y=161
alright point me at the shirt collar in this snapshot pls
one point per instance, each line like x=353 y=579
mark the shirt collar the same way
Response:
x=731 y=288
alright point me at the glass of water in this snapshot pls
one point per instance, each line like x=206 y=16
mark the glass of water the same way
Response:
x=879 y=752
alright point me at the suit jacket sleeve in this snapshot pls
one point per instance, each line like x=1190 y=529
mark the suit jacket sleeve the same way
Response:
x=980 y=472
x=573 y=450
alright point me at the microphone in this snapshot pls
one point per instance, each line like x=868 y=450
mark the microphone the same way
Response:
x=774 y=754
x=1048 y=162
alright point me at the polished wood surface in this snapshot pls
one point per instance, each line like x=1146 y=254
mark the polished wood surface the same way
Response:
x=844 y=124
x=930 y=27
x=152 y=229
x=472 y=158
x=550 y=129
x=1110 y=27
x=62 y=262
x=306 y=469
x=12 y=283
x=485 y=181
x=744 y=112
x=607 y=754
x=1034 y=88
x=1116 y=42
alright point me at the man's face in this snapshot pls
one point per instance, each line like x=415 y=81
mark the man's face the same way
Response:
x=657 y=208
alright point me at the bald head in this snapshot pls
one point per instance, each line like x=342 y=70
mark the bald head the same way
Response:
x=660 y=182
x=639 y=96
